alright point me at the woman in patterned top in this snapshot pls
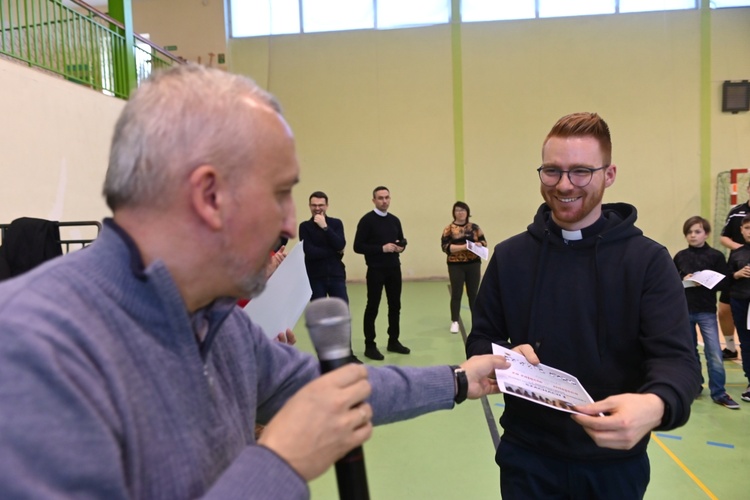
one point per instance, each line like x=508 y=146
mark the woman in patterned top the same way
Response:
x=463 y=265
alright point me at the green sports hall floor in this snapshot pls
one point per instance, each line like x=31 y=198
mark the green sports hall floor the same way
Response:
x=450 y=454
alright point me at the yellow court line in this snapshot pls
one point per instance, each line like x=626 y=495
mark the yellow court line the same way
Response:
x=684 y=468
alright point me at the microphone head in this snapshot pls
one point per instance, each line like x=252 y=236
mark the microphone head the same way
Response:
x=329 y=324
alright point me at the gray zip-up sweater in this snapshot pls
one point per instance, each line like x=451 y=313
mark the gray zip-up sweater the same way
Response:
x=106 y=393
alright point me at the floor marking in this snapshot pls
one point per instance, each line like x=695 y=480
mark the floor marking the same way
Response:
x=720 y=445
x=486 y=408
x=501 y=405
x=683 y=467
x=668 y=436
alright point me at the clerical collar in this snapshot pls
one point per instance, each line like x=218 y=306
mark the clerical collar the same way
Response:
x=380 y=213
x=579 y=234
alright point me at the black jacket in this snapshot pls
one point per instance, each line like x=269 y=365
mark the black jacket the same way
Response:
x=609 y=309
x=323 y=249
x=739 y=258
x=691 y=260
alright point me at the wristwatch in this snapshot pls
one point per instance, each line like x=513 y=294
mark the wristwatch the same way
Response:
x=462 y=384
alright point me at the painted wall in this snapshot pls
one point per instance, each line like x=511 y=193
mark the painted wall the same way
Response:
x=196 y=27
x=374 y=108
x=55 y=144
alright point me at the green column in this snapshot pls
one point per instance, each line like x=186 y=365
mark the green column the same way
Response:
x=458 y=99
x=705 y=110
x=123 y=53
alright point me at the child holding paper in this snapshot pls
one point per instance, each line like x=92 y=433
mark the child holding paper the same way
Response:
x=739 y=265
x=699 y=256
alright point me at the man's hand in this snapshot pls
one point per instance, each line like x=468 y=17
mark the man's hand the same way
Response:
x=391 y=248
x=320 y=220
x=628 y=417
x=322 y=422
x=287 y=337
x=528 y=353
x=480 y=372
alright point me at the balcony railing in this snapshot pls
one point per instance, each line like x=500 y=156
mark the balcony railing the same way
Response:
x=78 y=43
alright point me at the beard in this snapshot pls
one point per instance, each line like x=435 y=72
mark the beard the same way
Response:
x=253 y=285
x=250 y=284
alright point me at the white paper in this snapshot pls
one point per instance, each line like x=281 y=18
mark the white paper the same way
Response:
x=478 y=249
x=285 y=297
x=539 y=384
x=707 y=278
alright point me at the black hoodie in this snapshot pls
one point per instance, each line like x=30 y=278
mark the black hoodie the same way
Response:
x=610 y=309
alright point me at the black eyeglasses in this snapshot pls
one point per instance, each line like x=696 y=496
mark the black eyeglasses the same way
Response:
x=578 y=176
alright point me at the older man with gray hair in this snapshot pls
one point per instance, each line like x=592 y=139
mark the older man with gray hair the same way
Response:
x=127 y=371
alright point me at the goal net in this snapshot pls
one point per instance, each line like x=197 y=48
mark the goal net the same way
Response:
x=731 y=189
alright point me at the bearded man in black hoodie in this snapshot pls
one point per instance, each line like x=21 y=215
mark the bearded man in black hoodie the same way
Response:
x=584 y=291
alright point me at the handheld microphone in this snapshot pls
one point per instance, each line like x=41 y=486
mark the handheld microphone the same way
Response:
x=329 y=324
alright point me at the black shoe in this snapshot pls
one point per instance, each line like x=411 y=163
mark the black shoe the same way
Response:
x=373 y=353
x=354 y=359
x=727 y=354
x=398 y=347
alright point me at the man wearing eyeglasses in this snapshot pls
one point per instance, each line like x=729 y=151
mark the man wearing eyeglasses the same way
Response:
x=582 y=290
x=324 y=242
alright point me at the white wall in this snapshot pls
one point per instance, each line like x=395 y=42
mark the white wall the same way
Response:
x=55 y=144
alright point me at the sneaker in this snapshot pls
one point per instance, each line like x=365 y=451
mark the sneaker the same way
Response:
x=728 y=354
x=372 y=352
x=727 y=402
x=396 y=346
x=746 y=395
x=454 y=327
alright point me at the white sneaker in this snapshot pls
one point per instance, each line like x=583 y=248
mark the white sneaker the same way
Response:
x=454 y=327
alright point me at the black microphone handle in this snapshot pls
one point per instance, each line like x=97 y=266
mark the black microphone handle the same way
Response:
x=331 y=364
x=351 y=476
x=350 y=469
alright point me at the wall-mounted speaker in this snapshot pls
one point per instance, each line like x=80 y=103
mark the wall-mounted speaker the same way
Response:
x=735 y=96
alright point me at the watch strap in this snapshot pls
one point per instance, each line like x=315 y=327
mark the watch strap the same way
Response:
x=462 y=384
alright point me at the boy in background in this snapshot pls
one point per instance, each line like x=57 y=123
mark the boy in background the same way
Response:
x=699 y=256
x=739 y=265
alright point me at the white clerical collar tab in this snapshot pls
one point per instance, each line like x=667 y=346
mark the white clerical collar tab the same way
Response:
x=380 y=213
x=572 y=235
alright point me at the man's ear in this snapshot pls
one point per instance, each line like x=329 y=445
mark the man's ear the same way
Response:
x=609 y=175
x=207 y=195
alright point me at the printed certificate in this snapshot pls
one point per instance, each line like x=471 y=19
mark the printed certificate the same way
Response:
x=707 y=278
x=540 y=384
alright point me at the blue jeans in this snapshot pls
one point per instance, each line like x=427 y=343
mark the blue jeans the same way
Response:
x=708 y=324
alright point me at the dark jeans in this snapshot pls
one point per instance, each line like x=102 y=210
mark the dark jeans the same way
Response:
x=739 y=313
x=328 y=287
x=527 y=474
x=460 y=274
x=377 y=279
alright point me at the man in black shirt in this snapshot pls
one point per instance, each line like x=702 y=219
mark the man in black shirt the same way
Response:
x=380 y=239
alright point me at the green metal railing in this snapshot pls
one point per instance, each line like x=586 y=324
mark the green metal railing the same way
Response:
x=78 y=43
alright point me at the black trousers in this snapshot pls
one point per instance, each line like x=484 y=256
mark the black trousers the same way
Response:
x=460 y=275
x=377 y=279
x=528 y=474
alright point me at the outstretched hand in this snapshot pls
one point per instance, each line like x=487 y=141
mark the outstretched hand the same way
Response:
x=322 y=422
x=480 y=372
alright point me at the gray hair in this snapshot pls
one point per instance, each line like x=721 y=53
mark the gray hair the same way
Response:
x=179 y=119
